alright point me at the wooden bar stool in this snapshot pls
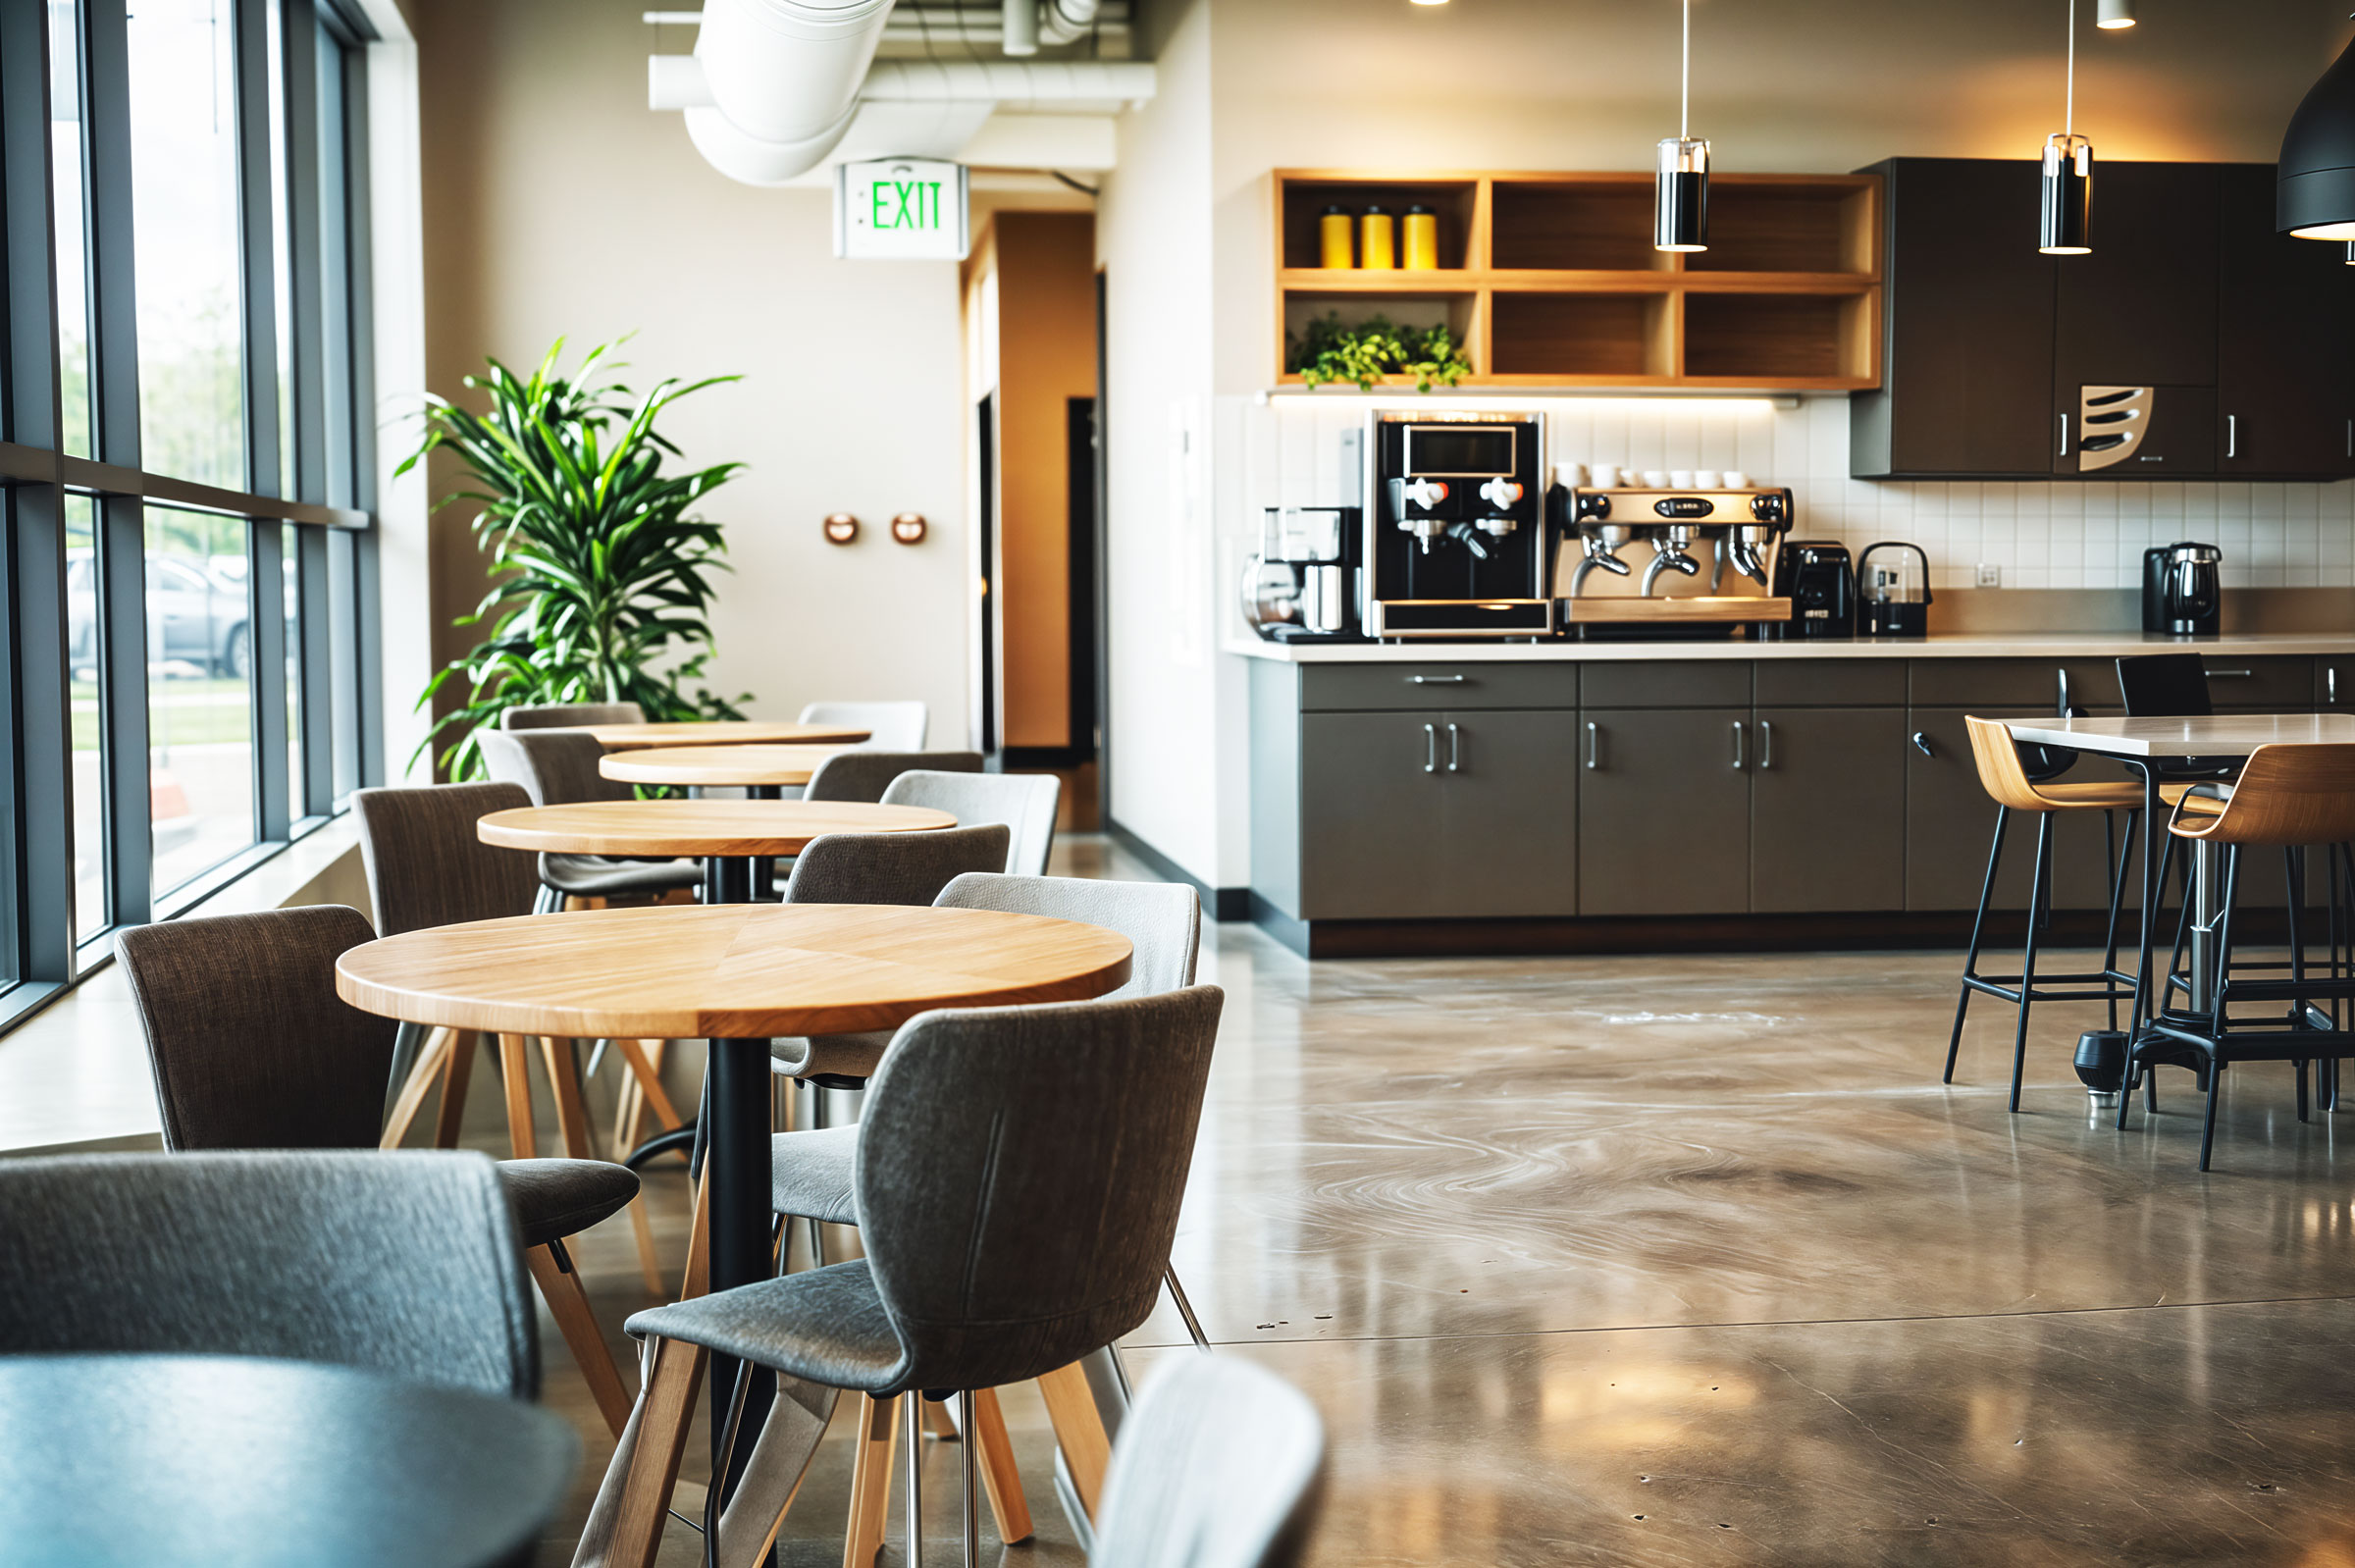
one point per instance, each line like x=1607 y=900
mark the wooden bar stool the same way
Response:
x=2005 y=779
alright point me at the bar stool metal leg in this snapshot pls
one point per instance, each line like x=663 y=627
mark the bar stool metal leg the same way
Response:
x=1978 y=933
x=2040 y=886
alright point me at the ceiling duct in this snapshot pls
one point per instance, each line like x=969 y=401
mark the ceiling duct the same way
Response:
x=780 y=81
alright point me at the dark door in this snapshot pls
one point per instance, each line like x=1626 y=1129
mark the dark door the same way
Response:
x=1950 y=822
x=1369 y=817
x=985 y=613
x=1509 y=812
x=1085 y=529
x=2285 y=383
x=1967 y=383
x=1827 y=804
x=1663 y=811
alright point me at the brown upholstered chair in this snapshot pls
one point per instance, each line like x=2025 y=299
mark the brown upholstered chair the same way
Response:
x=559 y=768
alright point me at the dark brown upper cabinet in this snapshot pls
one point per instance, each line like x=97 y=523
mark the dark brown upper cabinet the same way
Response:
x=2191 y=344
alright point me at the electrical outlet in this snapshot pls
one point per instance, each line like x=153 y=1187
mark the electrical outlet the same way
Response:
x=1990 y=575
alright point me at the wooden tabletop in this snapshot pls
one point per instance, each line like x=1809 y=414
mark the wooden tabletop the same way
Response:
x=726 y=732
x=716 y=764
x=659 y=829
x=2223 y=735
x=727 y=972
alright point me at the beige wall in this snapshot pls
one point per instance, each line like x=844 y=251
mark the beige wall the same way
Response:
x=556 y=203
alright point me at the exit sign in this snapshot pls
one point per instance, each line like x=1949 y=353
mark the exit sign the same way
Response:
x=900 y=209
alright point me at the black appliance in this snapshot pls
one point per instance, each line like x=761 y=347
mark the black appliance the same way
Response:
x=1820 y=582
x=1896 y=598
x=1301 y=585
x=1455 y=538
x=2183 y=590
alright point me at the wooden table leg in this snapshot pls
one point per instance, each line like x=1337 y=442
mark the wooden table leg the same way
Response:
x=457 y=1071
x=1080 y=1430
x=515 y=1064
x=563 y=1059
x=411 y=1099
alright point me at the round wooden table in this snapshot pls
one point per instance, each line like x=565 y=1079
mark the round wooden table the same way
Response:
x=737 y=975
x=146 y=1459
x=725 y=732
x=730 y=837
x=761 y=768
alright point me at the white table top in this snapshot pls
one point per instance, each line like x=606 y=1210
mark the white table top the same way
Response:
x=2224 y=735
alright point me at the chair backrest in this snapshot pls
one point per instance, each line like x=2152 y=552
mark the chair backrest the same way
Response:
x=1023 y=801
x=863 y=774
x=891 y=727
x=425 y=866
x=2001 y=773
x=555 y=766
x=892 y=867
x=567 y=715
x=1162 y=920
x=1018 y=1176
x=1217 y=1466
x=2164 y=686
x=2286 y=795
x=250 y=1046
x=403 y=1262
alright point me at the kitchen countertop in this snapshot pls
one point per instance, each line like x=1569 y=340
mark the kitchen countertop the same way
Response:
x=1958 y=645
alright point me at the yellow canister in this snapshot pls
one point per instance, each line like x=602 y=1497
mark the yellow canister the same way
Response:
x=1338 y=243
x=1377 y=241
x=1422 y=239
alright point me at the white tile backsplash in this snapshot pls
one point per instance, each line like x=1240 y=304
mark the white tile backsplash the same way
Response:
x=2068 y=535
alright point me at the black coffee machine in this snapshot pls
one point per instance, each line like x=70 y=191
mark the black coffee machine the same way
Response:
x=1455 y=541
x=1820 y=582
x=2183 y=590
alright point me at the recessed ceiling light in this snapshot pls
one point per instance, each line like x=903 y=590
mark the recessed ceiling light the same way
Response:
x=1426 y=2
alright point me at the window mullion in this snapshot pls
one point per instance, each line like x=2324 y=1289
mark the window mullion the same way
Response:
x=300 y=49
x=265 y=549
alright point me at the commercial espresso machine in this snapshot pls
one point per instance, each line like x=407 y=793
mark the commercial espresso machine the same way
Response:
x=1454 y=526
x=1640 y=562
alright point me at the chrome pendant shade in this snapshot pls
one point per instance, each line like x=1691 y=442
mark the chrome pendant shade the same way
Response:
x=2314 y=195
x=1680 y=191
x=2067 y=211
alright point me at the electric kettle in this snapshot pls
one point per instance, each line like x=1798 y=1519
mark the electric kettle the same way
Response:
x=2183 y=590
x=1896 y=598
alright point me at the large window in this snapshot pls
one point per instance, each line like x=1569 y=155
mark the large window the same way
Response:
x=184 y=468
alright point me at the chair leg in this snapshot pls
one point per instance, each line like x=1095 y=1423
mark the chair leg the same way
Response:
x=912 y=1428
x=2040 y=893
x=2215 y=1084
x=646 y=1072
x=414 y=1088
x=560 y=1287
x=563 y=1060
x=2116 y=863
x=515 y=1066
x=1979 y=932
x=458 y=1071
x=878 y=1422
x=985 y=1433
x=1078 y=1431
x=973 y=1484
x=1185 y=1308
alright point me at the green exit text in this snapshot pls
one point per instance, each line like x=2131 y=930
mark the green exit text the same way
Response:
x=905 y=204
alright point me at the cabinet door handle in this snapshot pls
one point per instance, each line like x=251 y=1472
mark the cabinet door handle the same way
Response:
x=1437 y=680
x=1738 y=727
x=1455 y=750
x=2231 y=674
x=2062 y=673
x=1766 y=745
x=2331 y=685
x=1431 y=749
x=1593 y=746
x=1921 y=744
x=2232 y=435
x=2065 y=434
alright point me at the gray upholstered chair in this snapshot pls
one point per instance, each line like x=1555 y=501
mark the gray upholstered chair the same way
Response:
x=1009 y=1232
x=402 y=1264
x=862 y=775
x=568 y=715
x=875 y=869
x=891 y=727
x=1218 y=1467
x=558 y=767
x=252 y=1049
x=1024 y=802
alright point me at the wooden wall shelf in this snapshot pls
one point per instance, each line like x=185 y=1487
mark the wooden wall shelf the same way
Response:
x=1550 y=280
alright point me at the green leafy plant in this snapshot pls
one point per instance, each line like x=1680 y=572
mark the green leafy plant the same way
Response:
x=601 y=576
x=1365 y=351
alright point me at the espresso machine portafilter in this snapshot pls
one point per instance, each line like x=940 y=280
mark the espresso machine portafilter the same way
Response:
x=1711 y=568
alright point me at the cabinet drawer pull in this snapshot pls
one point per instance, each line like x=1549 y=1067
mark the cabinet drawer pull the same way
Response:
x=1455 y=750
x=1766 y=745
x=1921 y=744
x=1431 y=749
x=1593 y=746
x=2331 y=684
x=2065 y=434
x=1437 y=680
x=1738 y=727
x=2231 y=674
x=2232 y=435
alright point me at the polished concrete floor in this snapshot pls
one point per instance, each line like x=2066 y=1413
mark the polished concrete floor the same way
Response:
x=1691 y=1260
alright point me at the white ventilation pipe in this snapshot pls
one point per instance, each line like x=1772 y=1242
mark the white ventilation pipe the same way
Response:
x=1066 y=21
x=780 y=81
x=682 y=82
x=1021 y=26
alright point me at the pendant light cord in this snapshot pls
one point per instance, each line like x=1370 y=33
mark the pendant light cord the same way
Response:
x=2068 y=116
x=1684 y=112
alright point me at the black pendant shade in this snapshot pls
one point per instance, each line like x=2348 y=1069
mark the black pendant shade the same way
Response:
x=1680 y=198
x=2315 y=196
x=2067 y=218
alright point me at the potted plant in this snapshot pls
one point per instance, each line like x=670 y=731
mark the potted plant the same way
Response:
x=602 y=575
x=1331 y=353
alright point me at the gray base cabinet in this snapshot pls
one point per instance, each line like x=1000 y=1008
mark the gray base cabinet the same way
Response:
x=1664 y=811
x=1827 y=811
x=1508 y=812
x=1369 y=821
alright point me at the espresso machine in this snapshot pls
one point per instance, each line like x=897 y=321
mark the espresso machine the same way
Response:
x=1641 y=562
x=1455 y=539
x=1301 y=585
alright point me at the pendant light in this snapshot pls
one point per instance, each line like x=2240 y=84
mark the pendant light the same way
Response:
x=2314 y=195
x=2116 y=13
x=1680 y=193
x=2066 y=226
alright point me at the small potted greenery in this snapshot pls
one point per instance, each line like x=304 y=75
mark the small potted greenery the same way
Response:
x=602 y=575
x=1330 y=353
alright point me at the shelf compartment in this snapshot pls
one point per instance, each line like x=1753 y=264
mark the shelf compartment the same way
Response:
x=1779 y=338
x=1630 y=336
x=1818 y=224
x=1304 y=201
x=1458 y=312
x=1574 y=226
